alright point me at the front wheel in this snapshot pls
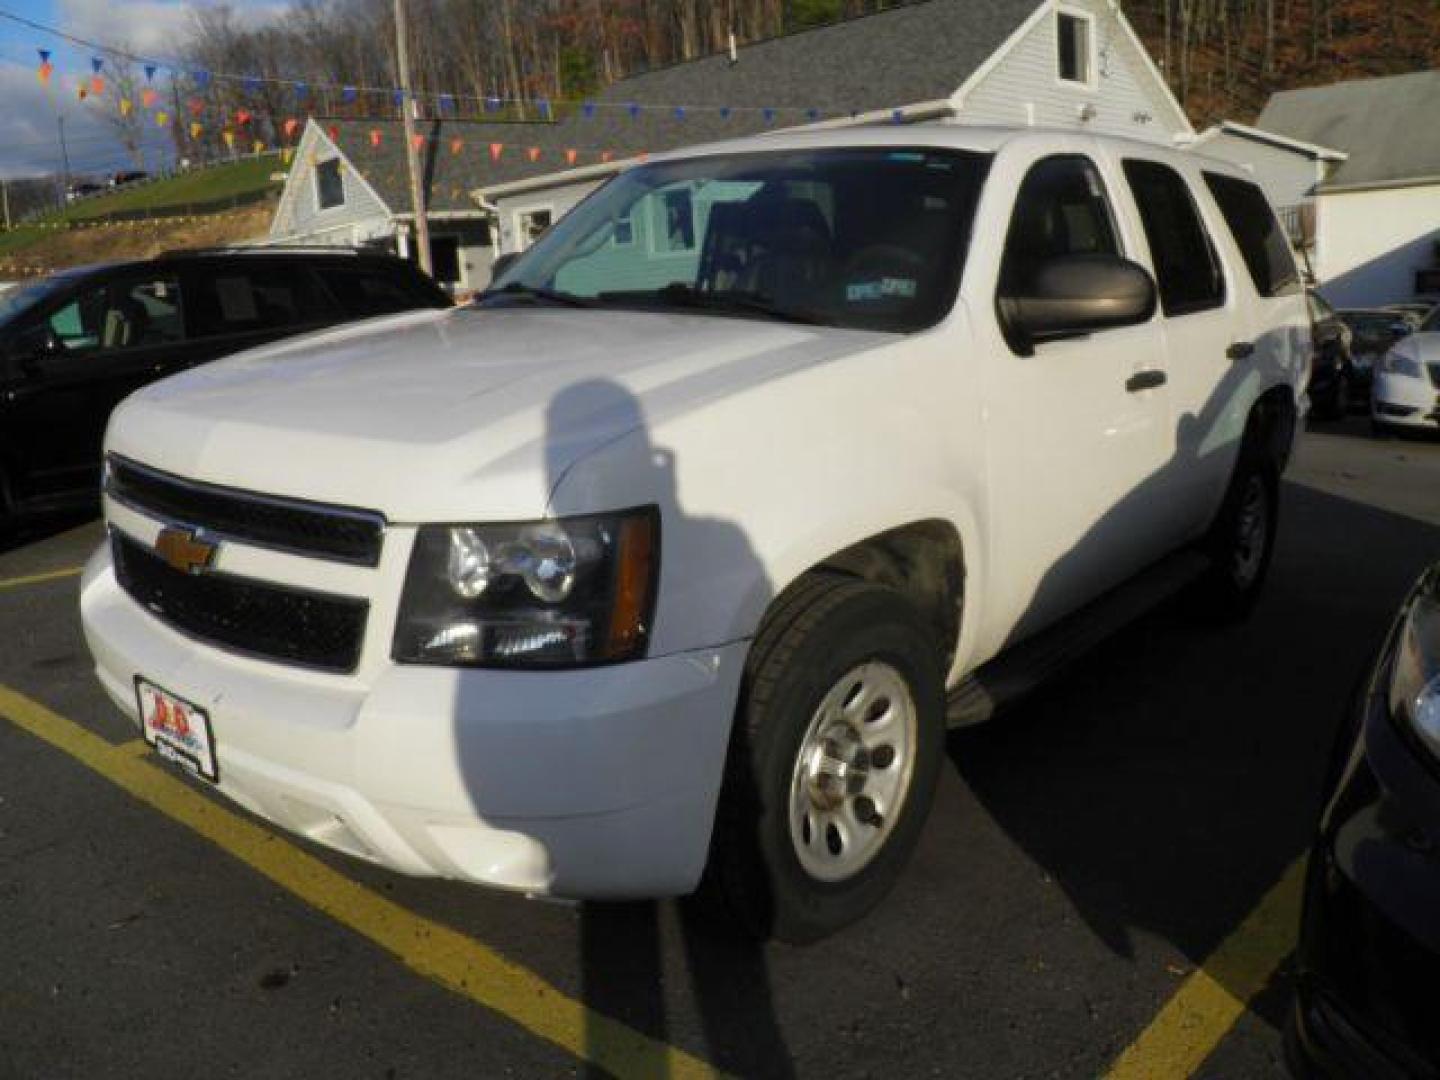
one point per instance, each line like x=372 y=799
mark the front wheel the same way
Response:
x=833 y=764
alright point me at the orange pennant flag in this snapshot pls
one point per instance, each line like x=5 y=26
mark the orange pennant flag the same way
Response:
x=291 y=126
x=418 y=141
x=97 y=85
x=496 y=149
x=46 y=70
x=571 y=156
x=456 y=145
x=605 y=155
x=533 y=153
x=148 y=98
x=375 y=137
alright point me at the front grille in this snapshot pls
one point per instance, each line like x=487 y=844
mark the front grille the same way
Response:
x=339 y=533
x=274 y=622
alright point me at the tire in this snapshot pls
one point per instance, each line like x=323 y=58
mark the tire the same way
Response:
x=1241 y=541
x=1336 y=404
x=797 y=853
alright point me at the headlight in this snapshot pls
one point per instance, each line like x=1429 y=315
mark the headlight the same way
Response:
x=1415 y=679
x=560 y=593
x=1398 y=363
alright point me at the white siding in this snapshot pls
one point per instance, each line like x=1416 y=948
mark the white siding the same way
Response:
x=1287 y=176
x=1025 y=87
x=558 y=200
x=299 y=214
x=1370 y=243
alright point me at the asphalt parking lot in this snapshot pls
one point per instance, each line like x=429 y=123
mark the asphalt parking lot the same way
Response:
x=1107 y=881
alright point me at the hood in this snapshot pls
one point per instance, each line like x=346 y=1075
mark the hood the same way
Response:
x=452 y=415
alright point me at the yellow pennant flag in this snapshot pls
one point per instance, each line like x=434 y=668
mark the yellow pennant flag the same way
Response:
x=162 y=119
x=196 y=130
x=257 y=146
x=230 y=139
x=125 y=106
x=287 y=154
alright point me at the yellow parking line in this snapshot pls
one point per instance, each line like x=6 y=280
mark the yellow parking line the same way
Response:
x=459 y=963
x=36 y=579
x=1211 y=1000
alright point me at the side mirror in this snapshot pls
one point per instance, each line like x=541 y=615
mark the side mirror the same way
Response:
x=33 y=346
x=502 y=263
x=1077 y=294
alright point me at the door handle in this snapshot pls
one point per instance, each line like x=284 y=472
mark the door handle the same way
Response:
x=1145 y=380
x=1241 y=350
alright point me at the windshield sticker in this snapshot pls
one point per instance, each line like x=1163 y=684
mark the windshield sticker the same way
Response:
x=885 y=289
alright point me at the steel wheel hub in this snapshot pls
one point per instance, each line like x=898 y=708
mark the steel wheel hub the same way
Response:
x=1250 y=531
x=852 y=772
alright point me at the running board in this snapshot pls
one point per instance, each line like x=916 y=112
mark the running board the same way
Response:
x=1019 y=670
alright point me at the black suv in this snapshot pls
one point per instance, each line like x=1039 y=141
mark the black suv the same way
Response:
x=74 y=344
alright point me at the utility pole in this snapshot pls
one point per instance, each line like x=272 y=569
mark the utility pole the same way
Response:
x=412 y=156
x=5 y=199
x=64 y=159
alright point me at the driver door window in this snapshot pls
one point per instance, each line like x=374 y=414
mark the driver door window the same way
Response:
x=126 y=314
x=1061 y=209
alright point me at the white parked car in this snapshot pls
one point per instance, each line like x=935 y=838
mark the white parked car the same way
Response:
x=666 y=564
x=1407 y=381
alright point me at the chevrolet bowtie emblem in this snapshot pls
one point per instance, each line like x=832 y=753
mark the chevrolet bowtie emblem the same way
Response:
x=184 y=550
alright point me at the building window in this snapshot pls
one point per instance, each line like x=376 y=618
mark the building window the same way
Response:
x=329 y=184
x=532 y=224
x=676 y=226
x=1073 y=46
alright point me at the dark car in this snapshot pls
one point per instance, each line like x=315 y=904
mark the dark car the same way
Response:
x=1335 y=385
x=82 y=190
x=74 y=344
x=121 y=179
x=1369 y=954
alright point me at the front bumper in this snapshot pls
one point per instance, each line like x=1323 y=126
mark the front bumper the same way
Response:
x=1369 y=954
x=592 y=783
x=1404 y=401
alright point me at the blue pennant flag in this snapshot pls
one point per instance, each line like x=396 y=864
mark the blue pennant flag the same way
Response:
x=544 y=106
x=492 y=104
x=769 y=115
x=96 y=63
x=202 y=78
x=634 y=111
x=725 y=112
x=150 y=70
x=898 y=116
x=348 y=95
x=812 y=114
x=398 y=97
x=588 y=110
x=447 y=103
x=679 y=112
x=44 y=55
x=252 y=85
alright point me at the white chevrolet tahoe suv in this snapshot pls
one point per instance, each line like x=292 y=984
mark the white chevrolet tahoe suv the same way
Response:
x=664 y=567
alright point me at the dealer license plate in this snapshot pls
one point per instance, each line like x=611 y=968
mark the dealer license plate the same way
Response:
x=178 y=730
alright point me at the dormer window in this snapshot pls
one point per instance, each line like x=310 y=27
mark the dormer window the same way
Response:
x=1073 y=46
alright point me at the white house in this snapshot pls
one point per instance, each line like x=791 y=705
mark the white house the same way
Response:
x=1377 y=211
x=1073 y=64
x=348 y=185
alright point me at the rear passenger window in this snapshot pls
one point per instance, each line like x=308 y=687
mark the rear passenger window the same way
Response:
x=1257 y=233
x=1061 y=210
x=240 y=298
x=1187 y=270
x=363 y=292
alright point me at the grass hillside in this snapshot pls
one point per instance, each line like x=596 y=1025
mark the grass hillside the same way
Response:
x=217 y=205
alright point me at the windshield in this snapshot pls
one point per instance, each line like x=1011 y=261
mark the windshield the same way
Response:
x=860 y=238
x=23 y=297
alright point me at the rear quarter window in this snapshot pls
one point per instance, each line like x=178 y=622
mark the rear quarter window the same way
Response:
x=245 y=296
x=365 y=291
x=1262 y=242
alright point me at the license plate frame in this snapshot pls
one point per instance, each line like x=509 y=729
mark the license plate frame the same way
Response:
x=177 y=729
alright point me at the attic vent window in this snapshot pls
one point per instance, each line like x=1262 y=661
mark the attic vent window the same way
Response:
x=329 y=184
x=1073 y=47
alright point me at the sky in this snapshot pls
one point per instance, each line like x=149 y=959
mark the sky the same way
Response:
x=30 y=112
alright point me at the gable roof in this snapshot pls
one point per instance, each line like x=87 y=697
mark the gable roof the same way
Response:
x=449 y=176
x=1386 y=126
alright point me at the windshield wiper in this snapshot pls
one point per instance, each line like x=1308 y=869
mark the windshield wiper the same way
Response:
x=681 y=294
x=535 y=292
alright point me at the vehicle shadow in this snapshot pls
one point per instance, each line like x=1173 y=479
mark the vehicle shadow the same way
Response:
x=631 y=953
x=1168 y=781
